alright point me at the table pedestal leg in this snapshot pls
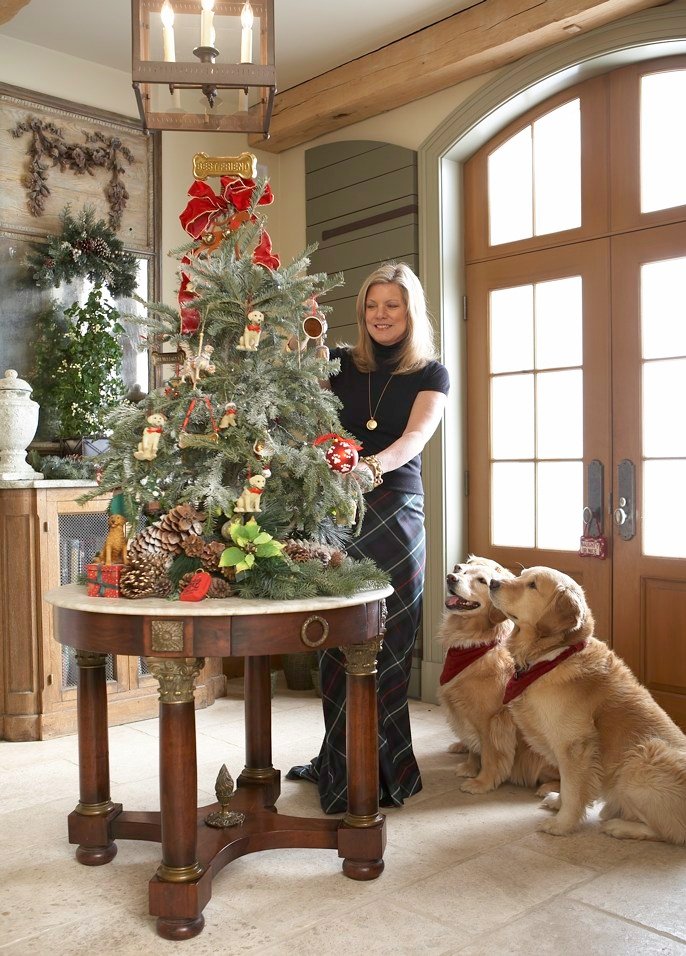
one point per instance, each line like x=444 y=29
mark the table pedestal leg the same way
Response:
x=89 y=824
x=258 y=768
x=362 y=834
x=178 y=891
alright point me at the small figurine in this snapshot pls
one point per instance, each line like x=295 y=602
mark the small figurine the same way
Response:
x=228 y=419
x=114 y=549
x=250 y=339
x=147 y=446
x=249 y=499
x=195 y=365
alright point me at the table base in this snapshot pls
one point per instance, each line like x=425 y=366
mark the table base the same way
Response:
x=179 y=905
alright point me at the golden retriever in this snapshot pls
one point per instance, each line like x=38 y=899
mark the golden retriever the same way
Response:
x=478 y=665
x=589 y=715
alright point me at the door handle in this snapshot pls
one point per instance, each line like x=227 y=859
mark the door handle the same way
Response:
x=625 y=513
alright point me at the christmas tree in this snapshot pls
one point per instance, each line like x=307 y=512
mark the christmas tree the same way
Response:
x=239 y=461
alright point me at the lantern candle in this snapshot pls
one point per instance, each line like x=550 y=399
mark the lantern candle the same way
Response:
x=206 y=22
x=246 y=33
x=167 y=18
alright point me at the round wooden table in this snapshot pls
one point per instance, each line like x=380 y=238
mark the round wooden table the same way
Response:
x=175 y=637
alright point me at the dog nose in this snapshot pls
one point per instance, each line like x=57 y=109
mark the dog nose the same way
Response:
x=451 y=578
x=494 y=585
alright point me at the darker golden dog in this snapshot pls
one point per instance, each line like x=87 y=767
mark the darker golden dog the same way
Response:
x=477 y=667
x=585 y=711
x=114 y=550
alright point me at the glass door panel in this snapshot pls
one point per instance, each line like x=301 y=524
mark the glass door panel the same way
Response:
x=663 y=140
x=538 y=394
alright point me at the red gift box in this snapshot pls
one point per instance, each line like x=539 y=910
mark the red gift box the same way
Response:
x=103 y=579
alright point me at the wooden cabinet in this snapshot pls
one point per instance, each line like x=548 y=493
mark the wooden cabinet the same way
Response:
x=46 y=538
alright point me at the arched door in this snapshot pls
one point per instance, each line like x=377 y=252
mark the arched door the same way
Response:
x=576 y=343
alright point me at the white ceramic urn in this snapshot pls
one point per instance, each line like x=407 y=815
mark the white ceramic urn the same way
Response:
x=18 y=424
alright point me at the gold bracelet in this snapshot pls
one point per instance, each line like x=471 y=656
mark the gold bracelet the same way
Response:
x=374 y=465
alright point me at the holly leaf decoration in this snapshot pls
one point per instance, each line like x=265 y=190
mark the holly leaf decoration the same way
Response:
x=230 y=557
x=251 y=544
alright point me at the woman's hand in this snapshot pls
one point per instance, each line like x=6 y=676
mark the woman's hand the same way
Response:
x=364 y=476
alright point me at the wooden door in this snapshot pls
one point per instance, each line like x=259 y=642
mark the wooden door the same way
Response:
x=649 y=435
x=538 y=406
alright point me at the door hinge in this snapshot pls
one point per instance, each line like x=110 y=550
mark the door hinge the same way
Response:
x=465 y=484
x=46 y=526
x=50 y=680
x=464 y=308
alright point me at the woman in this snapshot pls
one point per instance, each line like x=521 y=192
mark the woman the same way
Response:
x=393 y=393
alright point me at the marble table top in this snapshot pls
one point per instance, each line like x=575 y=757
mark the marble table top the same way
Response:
x=75 y=598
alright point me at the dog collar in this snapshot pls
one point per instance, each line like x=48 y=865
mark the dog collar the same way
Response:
x=520 y=680
x=458 y=658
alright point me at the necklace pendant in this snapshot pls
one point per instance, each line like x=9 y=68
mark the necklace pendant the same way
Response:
x=371 y=424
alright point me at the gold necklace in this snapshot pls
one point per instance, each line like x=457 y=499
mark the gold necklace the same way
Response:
x=372 y=422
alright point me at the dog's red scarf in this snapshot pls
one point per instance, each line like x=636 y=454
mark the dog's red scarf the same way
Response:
x=458 y=658
x=520 y=680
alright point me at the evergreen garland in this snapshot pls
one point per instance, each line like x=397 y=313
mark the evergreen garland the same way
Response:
x=85 y=247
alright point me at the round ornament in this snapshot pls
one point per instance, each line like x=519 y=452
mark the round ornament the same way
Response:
x=342 y=456
x=342 y=453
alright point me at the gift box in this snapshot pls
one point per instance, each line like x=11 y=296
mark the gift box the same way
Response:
x=102 y=580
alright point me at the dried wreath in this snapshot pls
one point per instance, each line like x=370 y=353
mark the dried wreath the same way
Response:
x=49 y=148
x=84 y=247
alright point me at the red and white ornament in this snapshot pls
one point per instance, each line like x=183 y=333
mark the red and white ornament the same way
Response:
x=342 y=454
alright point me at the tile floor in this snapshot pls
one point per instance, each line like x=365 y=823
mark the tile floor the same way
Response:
x=464 y=874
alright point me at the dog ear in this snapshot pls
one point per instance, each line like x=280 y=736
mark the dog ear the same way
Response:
x=566 y=613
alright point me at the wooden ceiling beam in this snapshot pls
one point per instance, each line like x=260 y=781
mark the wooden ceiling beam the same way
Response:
x=10 y=8
x=485 y=37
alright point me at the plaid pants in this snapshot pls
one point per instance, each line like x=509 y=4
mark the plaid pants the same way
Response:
x=393 y=536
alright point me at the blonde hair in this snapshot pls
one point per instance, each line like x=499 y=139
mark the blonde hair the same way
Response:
x=417 y=348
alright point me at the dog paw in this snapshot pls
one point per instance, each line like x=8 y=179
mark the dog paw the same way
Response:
x=466 y=769
x=458 y=748
x=552 y=801
x=556 y=828
x=552 y=786
x=476 y=786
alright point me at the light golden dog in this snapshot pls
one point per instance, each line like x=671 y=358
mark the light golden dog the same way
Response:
x=478 y=666
x=590 y=715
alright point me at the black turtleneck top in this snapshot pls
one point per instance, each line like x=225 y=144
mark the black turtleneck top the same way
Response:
x=393 y=410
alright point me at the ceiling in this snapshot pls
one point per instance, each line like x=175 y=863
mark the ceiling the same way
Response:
x=312 y=36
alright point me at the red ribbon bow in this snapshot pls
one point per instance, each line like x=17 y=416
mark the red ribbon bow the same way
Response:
x=206 y=207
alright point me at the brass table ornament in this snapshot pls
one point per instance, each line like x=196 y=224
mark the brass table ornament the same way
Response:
x=225 y=790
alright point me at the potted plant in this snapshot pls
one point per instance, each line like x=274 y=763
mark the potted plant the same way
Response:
x=76 y=373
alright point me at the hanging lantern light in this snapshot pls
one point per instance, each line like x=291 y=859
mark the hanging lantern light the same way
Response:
x=204 y=64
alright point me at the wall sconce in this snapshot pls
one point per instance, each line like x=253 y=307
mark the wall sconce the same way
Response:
x=204 y=64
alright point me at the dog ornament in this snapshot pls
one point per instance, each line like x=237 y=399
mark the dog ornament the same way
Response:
x=147 y=446
x=114 y=550
x=250 y=339
x=249 y=499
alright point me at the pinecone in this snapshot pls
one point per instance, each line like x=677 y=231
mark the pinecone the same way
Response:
x=211 y=554
x=146 y=577
x=167 y=534
x=193 y=546
x=185 y=579
x=299 y=550
x=220 y=588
